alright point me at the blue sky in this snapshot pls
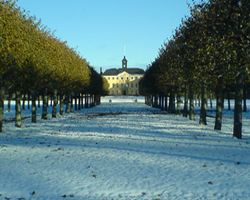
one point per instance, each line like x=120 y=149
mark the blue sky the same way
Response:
x=99 y=29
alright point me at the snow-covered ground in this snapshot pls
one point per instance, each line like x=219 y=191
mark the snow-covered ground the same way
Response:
x=123 y=150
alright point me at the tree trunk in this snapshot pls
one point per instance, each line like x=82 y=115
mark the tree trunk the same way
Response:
x=23 y=105
x=185 y=108
x=228 y=104
x=71 y=103
x=199 y=101
x=61 y=104
x=82 y=104
x=51 y=100
x=94 y=99
x=228 y=101
x=146 y=100
x=171 y=107
x=151 y=100
x=86 y=101
x=1 y=108
x=68 y=102
x=196 y=101
x=219 y=104
x=18 y=122
x=55 y=102
x=237 y=130
x=245 y=99
x=28 y=101
x=91 y=100
x=98 y=99
x=33 y=117
x=166 y=103
x=155 y=104
x=191 y=103
x=76 y=104
x=45 y=105
x=218 y=116
x=203 y=112
x=79 y=101
x=162 y=102
x=38 y=102
x=9 y=102
x=178 y=108
x=211 y=102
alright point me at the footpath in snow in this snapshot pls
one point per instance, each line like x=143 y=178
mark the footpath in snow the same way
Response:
x=123 y=150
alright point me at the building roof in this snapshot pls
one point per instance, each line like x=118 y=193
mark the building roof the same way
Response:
x=115 y=71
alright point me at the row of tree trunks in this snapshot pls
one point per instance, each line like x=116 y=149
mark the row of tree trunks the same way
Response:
x=78 y=101
x=172 y=103
x=156 y=101
x=90 y=101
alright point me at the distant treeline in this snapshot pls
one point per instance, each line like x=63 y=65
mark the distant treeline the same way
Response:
x=208 y=56
x=36 y=64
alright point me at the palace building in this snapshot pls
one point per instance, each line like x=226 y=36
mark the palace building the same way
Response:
x=123 y=81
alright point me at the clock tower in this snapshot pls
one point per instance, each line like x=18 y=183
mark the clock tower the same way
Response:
x=124 y=63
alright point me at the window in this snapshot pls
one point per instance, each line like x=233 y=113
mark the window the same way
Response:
x=132 y=78
x=113 y=78
x=108 y=78
x=117 y=78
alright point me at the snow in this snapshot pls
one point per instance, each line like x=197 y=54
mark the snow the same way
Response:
x=123 y=150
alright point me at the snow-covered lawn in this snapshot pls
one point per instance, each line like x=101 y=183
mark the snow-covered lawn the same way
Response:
x=123 y=150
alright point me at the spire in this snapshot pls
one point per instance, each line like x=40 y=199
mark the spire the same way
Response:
x=124 y=50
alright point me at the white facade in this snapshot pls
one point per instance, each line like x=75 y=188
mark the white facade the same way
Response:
x=123 y=83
